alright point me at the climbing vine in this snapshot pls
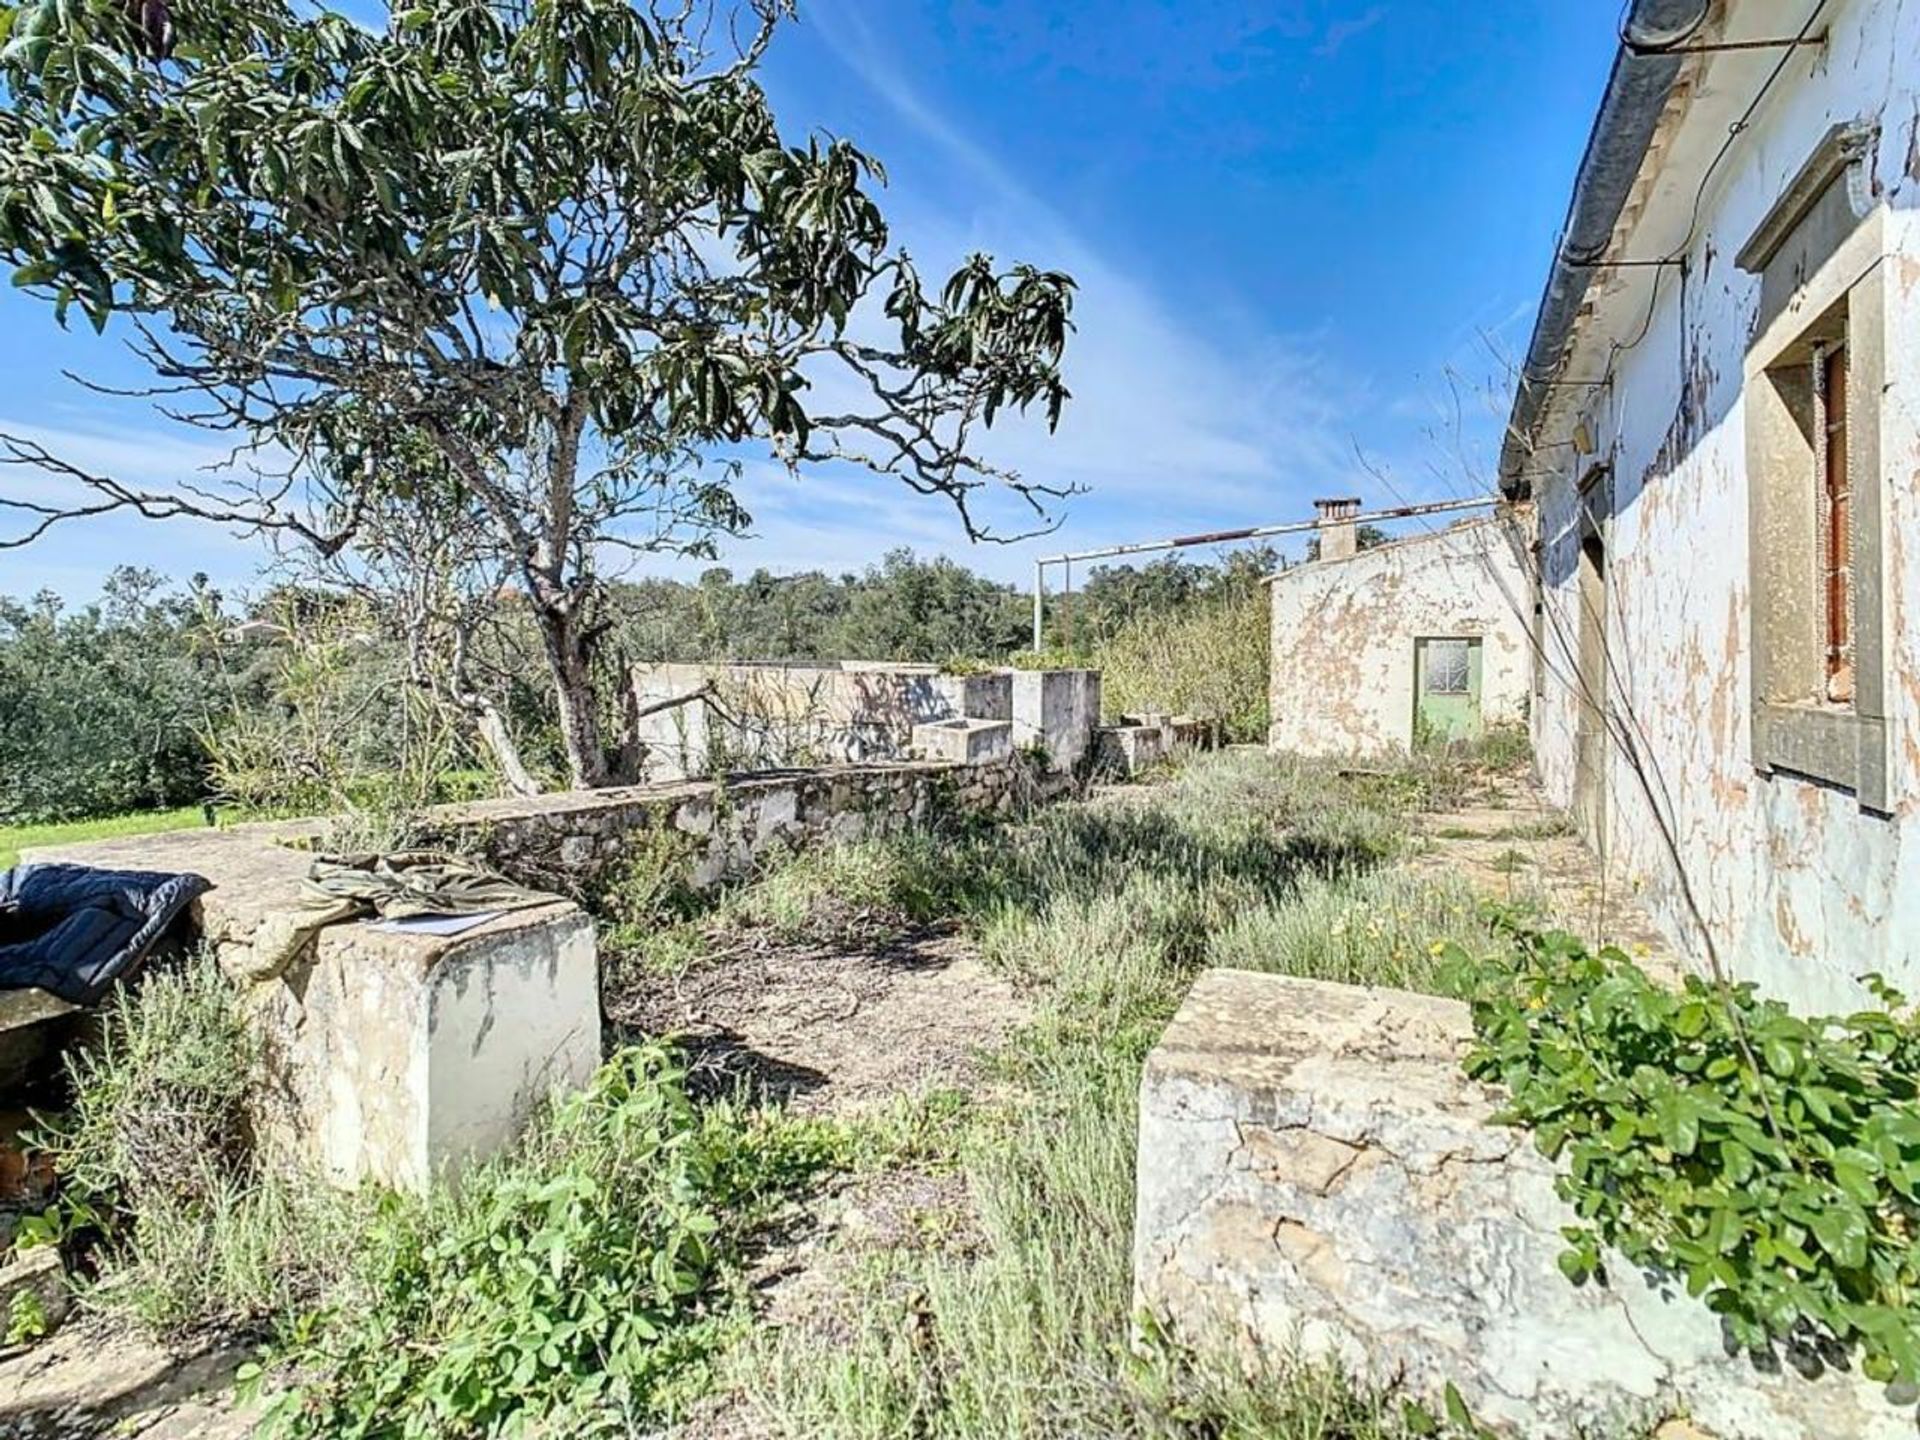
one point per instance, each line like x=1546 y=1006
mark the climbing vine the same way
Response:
x=1770 y=1161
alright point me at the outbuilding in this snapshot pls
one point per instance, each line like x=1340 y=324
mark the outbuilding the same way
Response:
x=1408 y=642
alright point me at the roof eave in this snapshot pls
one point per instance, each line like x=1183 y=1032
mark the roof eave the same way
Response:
x=1644 y=71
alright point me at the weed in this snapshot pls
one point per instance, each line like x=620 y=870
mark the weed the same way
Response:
x=26 y=1319
x=863 y=886
x=574 y=1287
x=1104 y=912
x=1508 y=862
x=1770 y=1161
x=155 y=1163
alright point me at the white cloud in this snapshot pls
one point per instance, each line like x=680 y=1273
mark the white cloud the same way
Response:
x=1170 y=426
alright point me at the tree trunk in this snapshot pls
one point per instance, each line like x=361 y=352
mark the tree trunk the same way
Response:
x=570 y=660
x=499 y=741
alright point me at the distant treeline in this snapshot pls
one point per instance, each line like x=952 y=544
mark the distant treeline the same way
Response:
x=162 y=694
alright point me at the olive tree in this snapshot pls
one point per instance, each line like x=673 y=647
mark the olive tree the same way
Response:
x=541 y=272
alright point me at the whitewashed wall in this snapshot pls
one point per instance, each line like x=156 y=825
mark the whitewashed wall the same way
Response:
x=1800 y=889
x=1344 y=631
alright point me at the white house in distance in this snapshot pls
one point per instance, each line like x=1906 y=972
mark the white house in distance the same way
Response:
x=1419 y=639
x=1719 y=423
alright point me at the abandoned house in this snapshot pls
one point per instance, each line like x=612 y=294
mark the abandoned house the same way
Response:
x=1415 y=640
x=1717 y=423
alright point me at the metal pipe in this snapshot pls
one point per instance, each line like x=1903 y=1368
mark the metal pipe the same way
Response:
x=1215 y=537
x=1714 y=47
x=1256 y=532
x=1039 y=590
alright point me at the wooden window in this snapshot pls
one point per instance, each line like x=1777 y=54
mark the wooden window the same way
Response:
x=1817 y=367
x=1835 y=515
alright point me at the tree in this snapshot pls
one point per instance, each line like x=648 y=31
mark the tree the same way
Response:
x=105 y=709
x=535 y=269
x=907 y=608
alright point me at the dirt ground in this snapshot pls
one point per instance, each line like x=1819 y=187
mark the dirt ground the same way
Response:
x=1505 y=841
x=829 y=1025
x=834 y=1027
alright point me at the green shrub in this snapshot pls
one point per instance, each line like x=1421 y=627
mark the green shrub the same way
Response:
x=1102 y=913
x=102 y=708
x=1209 y=658
x=903 y=879
x=1771 y=1161
x=575 y=1287
x=157 y=1172
x=159 y=1104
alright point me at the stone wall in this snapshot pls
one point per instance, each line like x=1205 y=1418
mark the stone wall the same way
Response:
x=1319 y=1179
x=573 y=839
x=393 y=1057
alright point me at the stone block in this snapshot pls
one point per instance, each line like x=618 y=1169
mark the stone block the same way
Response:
x=964 y=742
x=396 y=1058
x=1057 y=711
x=1319 y=1179
x=1127 y=750
x=390 y=1056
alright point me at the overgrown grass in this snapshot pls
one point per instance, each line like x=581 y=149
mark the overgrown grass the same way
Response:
x=1209 y=658
x=590 y=1282
x=160 y=1187
x=1105 y=913
x=577 y=1285
x=15 y=838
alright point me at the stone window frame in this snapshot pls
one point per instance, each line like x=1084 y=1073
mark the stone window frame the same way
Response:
x=1819 y=254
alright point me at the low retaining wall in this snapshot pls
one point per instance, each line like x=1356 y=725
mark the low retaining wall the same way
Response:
x=1140 y=742
x=1319 y=1179
x=396 y=1056
x=572 y=840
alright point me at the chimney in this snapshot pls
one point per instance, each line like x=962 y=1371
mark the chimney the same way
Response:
x=1336 y=527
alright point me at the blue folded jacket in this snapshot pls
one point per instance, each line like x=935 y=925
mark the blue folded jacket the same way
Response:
x=73 y=930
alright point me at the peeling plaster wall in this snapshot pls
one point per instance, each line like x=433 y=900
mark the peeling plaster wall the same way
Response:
x=1344 y=630
x=1801 y=889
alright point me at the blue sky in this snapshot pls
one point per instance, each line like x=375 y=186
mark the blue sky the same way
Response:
x=1291 y=221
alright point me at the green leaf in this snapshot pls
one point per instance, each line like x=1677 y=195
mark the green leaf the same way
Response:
x=1841 y=1228
x=1678 y=1117
x=1457 y=1412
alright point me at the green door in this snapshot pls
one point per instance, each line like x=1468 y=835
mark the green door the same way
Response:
x=1446 y=691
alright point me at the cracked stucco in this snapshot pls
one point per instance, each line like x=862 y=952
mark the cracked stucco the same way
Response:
x=1318 y=1175
x=1343 y=633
